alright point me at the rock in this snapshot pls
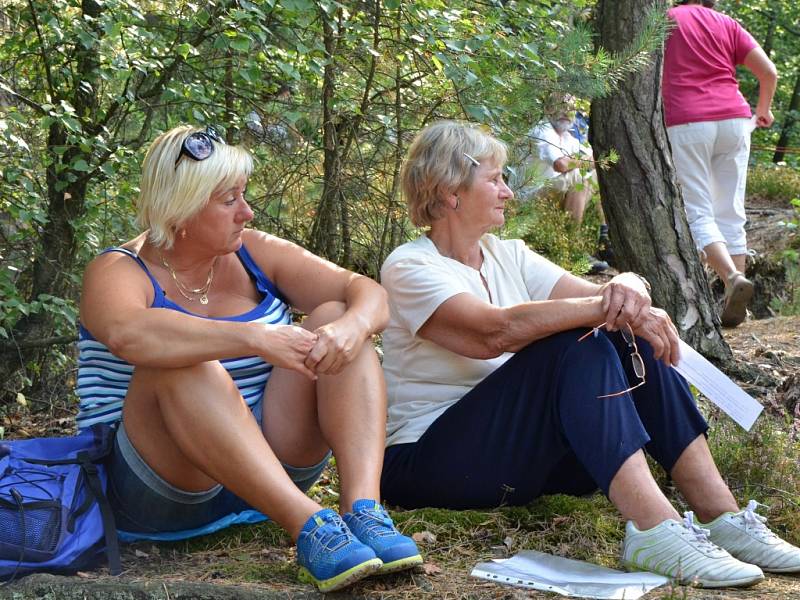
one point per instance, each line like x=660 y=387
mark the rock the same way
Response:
x=55 y=587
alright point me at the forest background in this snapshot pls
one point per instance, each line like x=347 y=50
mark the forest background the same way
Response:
x=327 y=96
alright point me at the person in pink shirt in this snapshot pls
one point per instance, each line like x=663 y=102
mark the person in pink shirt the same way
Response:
x=709 y=123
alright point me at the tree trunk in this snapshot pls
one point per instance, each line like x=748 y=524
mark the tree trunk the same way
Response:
x=66 y=196
x=770 y=37
x=640 y=193
x=323 y=233
x=789 y=123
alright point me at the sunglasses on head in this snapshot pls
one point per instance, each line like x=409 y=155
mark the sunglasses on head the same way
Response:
x=199 y=145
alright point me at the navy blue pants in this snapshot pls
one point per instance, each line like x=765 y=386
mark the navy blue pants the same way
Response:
x=536 y=426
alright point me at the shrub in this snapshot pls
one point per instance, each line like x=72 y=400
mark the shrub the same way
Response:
x=548 y=229
x=775 y=183
x=791 y=260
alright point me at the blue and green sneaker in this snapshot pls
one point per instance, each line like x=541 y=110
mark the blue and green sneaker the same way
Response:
x=371 y=524
x=330 y=556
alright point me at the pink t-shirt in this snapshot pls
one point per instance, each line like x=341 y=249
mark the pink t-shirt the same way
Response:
x=700 y=59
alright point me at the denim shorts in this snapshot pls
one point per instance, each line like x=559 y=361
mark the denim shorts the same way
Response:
x=144 y=503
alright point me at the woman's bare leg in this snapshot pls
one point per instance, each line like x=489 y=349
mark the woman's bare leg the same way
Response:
x=637 y=496
x=740 y=262
x=718 y=259
x=575 y=203
x=344 y=412
x=193 y=428
x=698 y=479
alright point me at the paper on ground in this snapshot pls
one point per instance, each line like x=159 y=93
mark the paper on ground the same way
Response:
x=717 y=387
x=548 y=573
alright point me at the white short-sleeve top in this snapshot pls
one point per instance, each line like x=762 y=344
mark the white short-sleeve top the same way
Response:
x=550 y=146
x=423 y=379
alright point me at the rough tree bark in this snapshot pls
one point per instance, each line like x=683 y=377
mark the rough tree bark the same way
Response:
x=789 y=123
x=640 y=193
x=324 y=231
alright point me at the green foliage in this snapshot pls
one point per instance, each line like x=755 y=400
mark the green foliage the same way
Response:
x=85 y=85
x=774 y=183
x=774 y=24
x=549 y=230
x=791 y=260
x=763 y=464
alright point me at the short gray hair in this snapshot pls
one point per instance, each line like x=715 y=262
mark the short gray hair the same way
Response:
x=439 y=162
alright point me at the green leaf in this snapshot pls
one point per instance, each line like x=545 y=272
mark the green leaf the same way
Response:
x=87 y=39
x=240 y=43
x=184 y=50
x=71 y=123
x=79 y=165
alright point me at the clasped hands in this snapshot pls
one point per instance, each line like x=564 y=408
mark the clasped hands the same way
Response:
x=625 y=300
x=325 y=350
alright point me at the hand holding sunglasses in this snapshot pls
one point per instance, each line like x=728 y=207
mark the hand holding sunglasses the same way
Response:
x=636 y=358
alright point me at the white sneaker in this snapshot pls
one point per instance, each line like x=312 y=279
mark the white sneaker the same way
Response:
x=745 y=535
x=683 y=552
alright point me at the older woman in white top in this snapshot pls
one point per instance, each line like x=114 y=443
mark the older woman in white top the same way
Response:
x=509 y=378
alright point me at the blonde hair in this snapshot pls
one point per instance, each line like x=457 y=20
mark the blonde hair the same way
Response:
x=171 y=194
x=438 y=163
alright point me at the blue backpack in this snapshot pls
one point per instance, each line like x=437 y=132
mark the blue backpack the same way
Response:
x=54 y=515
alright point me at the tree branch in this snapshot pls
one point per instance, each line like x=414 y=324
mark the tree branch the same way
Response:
x=24 y=99
x=43 y=52
x=58 y=340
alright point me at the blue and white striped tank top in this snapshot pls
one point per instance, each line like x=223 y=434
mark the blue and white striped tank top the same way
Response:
x=103 y=378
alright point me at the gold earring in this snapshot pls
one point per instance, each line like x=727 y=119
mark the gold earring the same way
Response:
x=458 y=202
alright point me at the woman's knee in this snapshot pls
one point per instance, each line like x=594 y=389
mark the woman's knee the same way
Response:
x=327 y=312
x=154 y=383
x=581 y=349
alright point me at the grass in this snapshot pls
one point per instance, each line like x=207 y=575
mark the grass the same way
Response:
x=773 y=183
x=763 y=464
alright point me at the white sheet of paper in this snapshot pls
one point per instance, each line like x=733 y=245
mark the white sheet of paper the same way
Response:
x=539 y=571
x=717 y=387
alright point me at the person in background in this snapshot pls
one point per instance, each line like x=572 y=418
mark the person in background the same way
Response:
x=221 y=403
x=580 y=128
x=562 y=159
x=509 y=378
x=580 y=131
x=709 y=123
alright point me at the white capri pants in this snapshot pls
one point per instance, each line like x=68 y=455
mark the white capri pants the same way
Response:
x=711 y=162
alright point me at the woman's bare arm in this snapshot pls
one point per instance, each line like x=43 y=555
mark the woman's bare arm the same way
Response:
x=115 y=309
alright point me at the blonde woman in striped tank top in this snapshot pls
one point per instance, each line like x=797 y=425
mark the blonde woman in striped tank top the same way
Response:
x=222 y=405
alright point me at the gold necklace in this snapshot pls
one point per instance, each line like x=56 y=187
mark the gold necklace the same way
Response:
x=185 y=291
